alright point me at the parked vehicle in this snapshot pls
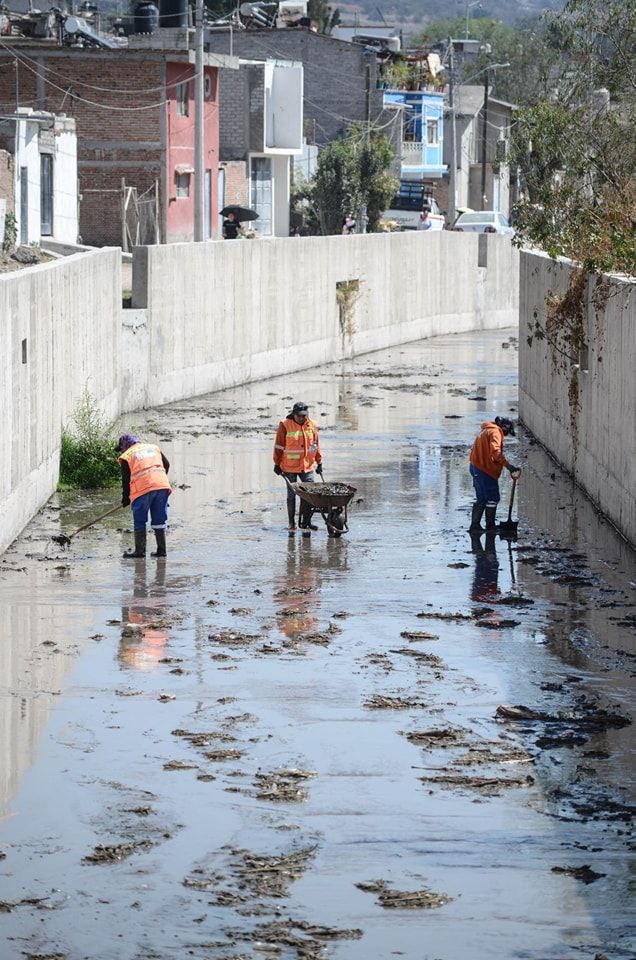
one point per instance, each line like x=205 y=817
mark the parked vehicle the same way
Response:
x=407 y=206
x=484 y=221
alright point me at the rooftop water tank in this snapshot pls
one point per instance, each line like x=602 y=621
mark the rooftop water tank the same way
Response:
x=173 y=13
x=146 y=17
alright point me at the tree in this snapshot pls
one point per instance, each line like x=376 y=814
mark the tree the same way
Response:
x=575 y=149
x=352 y=172
x=325 y=16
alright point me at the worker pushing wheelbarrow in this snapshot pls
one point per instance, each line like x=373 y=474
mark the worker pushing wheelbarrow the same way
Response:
x=330 y=500
x=296 y=456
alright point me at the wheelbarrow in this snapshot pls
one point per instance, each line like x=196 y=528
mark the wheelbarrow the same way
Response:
x=330 y=500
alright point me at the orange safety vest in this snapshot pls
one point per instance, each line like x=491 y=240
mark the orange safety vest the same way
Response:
x=146 y=469
x=297 y=447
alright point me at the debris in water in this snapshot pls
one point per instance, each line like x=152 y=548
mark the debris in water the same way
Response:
x=428 y=658
x=458 y=566
x=496 y=624
x=425 y=615
x=217 y=756
x=413 y=635
x=114 y=853
x=166 y=697
x=179 y=765
x=381 y=702
x=436 y=738
x=590 y=718
x=584 y=873
x=282 y=785
x=234 y=638
x=491 y=785
x=404 y=899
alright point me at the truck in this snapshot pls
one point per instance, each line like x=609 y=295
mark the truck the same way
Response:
x=407 y=206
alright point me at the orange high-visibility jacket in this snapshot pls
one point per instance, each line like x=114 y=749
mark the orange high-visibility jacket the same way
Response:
x=487 y=452
x=297 y=447
x=146 y=469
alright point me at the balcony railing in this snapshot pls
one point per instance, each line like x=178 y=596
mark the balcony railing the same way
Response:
x=412 y=151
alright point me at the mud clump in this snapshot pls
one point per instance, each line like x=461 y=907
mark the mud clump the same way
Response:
x=116 y=852
x=270 y=876
x=404 y=899
x=234 y=638
x=381 y=702
x=218 y=756
x=282 y=785
x=179 y=765
x=496 y=624
x=436 y=737
x=585 y=873
x=487 y=785
x=588 y=717
x=425 y=658
x=441 y=615
x=306 y=939
x=413 y=635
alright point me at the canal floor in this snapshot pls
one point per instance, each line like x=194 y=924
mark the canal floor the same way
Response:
x=296 y=746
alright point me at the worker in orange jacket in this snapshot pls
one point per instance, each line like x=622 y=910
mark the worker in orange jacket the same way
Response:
x=296 y=452
x=145 y=485
x=487 y=460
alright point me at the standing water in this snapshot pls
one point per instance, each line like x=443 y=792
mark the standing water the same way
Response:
x=402 y=742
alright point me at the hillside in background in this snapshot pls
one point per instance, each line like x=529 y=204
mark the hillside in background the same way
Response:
x=412 y=15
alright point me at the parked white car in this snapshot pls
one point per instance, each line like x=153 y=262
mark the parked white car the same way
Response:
x=484 y=221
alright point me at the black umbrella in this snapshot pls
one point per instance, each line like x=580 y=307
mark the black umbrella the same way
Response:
x=241 y=213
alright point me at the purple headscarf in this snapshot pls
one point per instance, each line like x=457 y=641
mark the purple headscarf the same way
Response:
x=127 y=440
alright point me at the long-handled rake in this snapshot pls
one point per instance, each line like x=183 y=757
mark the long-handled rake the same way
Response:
x=65 y=541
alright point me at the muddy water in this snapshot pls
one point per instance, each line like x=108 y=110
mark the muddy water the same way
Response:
x=259 y=749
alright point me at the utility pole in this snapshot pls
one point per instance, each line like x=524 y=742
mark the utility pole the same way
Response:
x=452 y=180
x=199 y=151
x=362 y=216
x=484 y=139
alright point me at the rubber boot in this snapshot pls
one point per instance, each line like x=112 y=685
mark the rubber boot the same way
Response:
x=160 y=537
x=304 y=518
x=291 y=514
x=491 y=513
x=139 y=552
x=475 y=520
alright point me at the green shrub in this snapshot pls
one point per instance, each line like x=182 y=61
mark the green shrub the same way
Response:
x=87 y=457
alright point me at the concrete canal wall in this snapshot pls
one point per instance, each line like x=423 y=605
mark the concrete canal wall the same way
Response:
x=60 y=332
x=214 y=315
x=583 y=408
x=222 y=314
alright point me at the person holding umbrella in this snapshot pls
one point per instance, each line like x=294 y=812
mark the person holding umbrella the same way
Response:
x=234 y=217
x=231 y=227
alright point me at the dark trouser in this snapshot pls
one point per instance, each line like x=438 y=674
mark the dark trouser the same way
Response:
x=304 y=515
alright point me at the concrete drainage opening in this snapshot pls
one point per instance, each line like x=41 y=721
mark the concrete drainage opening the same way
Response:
x=347 y=295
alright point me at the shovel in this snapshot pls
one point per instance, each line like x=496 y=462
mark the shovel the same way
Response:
x=65 y=541
x=508 y=528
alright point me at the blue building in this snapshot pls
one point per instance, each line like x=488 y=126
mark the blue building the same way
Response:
x=422 y=133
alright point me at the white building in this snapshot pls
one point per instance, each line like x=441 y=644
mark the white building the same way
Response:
x=43 y=196
x=261 y=126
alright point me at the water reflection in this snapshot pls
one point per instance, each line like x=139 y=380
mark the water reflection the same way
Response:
x=144 y=635
x=485 y=585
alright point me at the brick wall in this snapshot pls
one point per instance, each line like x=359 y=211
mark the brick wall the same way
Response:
x=6 y=178
x=335 y=73
x=236 y=183
x=234 y=114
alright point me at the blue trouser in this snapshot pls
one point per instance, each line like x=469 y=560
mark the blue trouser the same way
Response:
x=486 y=487
x=155 y=502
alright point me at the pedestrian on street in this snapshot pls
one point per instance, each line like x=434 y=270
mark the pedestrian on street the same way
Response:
x=144 y=485
x=487 y=460
x=231 y=227
x=348 y=226
x=425 y=222
x=296 y=452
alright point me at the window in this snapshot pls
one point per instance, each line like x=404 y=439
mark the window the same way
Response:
x=209 y=87
x=432 y=133
x=261 y=192
x=411 y=128
x=46 y=194
x=183 y=185
x=182 y=95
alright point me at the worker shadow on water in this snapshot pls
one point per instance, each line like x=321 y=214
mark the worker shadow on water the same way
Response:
x=297 y=587
x=485 y=584
x=145 y=633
